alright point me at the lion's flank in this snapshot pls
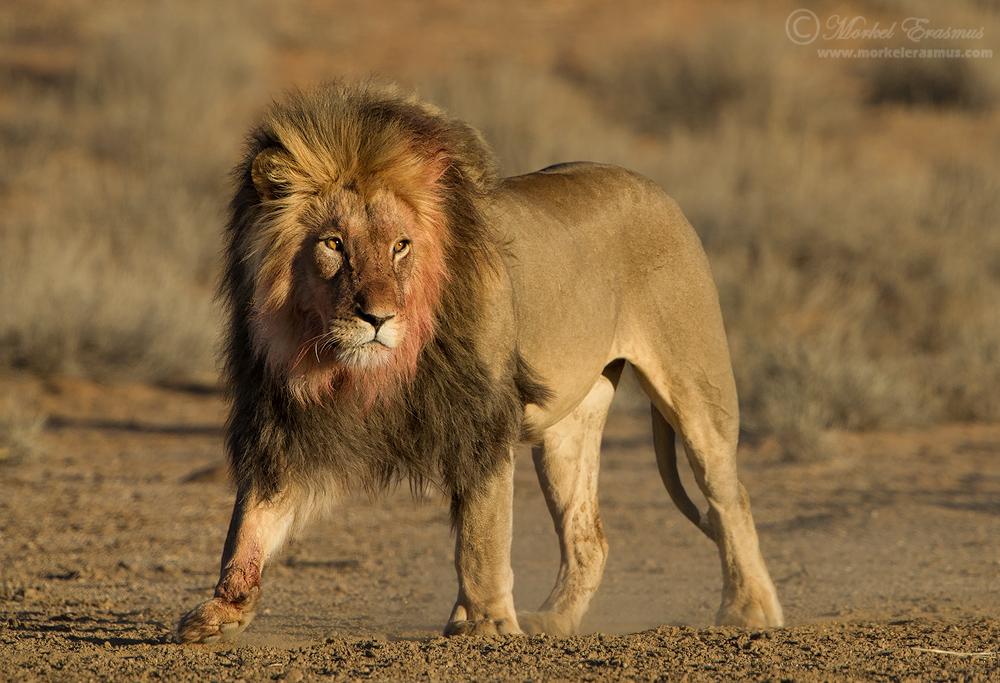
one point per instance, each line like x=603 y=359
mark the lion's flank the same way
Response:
x=442 y=413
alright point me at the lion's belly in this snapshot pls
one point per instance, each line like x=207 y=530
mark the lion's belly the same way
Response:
x=568 y=348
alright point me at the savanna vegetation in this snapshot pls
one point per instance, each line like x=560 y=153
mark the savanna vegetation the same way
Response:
x=850 y=209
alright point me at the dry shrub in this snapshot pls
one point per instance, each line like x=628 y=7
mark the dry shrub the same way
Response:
x=691 y=84
x=855 y=296
x=532 y=119
x=19 y=431
x=943 y=82
x=955 y=82
x=118 y=167
x=878 y=311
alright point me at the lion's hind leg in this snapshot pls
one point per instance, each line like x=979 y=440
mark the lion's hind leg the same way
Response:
x=567 y=465
x=704 y=410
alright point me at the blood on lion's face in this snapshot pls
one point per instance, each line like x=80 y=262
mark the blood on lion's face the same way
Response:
x=348 y=279
x=353 y=273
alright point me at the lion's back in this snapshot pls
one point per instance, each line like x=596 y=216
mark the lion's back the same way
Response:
x=607 y=212
x=602 y=229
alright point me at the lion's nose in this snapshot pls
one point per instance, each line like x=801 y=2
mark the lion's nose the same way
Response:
x=374 y=320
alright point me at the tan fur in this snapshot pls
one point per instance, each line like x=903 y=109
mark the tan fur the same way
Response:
x=598 y=267
x=604 y=267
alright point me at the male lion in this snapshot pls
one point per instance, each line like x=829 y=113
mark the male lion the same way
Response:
x=398 y=310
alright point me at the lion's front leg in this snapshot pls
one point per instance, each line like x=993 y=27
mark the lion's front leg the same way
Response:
x=257 y=530
x=483 y=524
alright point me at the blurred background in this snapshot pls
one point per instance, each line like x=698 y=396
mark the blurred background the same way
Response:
x=850 y=208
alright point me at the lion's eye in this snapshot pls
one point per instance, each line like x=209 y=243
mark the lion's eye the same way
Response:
x=334 y=243
x=401 y=246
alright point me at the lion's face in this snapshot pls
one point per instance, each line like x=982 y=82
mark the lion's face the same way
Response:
x=354 y=273
x=347 y=280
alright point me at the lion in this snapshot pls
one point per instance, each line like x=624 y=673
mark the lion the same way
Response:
x=397 y=310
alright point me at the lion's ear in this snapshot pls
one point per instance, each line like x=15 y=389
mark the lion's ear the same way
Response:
x=271 y=172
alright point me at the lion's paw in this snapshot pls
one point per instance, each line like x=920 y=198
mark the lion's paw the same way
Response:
x=212 y=621
x=481 y=627
x=553 y=623
x=751 y=611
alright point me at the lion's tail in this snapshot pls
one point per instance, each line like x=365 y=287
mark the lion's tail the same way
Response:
x=666 y=460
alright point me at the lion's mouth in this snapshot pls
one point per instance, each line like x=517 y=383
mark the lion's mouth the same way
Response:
x=358 y=344
x=373 y=341
x=367 y=354
x=374 y=344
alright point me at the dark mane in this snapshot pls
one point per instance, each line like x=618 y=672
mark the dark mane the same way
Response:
x=454 y=422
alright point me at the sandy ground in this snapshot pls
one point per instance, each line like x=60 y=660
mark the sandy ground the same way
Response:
x=882 y=550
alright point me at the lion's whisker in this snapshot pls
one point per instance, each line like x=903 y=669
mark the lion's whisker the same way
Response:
x=304 y=349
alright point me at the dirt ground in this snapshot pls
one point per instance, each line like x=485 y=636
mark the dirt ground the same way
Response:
x=882 y=550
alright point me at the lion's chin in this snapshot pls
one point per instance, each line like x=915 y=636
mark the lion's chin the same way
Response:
x=366 y=371
x=370 y=355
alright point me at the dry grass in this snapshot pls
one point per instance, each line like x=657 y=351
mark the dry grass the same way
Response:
x=859 y=287
x=114 y=187
x=19 y=431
